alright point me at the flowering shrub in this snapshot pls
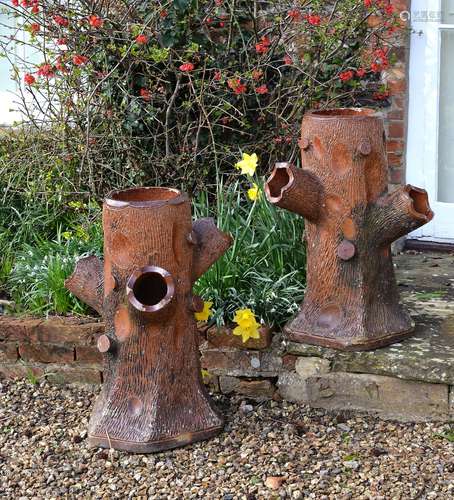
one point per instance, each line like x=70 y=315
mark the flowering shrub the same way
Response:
x=169 y=91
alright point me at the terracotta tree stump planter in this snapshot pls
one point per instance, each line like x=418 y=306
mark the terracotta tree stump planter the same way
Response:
x=153 y=397
x=352 y=300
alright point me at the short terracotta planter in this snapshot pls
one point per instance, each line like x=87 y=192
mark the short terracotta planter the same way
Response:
x=352 y=301
x=153 y=397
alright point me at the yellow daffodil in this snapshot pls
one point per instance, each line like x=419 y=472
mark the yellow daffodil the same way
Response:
x=248 y=164
x=206 y=313
x=247 y=328
x=253 y=193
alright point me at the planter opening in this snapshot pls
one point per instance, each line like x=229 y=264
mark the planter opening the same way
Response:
x=144 y=194
x=420 y=202
x=278 y=181
x=150 y=288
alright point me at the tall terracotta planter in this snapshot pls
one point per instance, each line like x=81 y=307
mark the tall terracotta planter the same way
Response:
x=153 y=397
x=352 y=301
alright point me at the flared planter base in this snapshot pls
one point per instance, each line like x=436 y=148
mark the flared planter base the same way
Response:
x=348 y=344
x=154 y=446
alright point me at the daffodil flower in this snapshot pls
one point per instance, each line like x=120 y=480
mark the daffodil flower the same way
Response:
x=248 y=164
x=253 y=193
x=205 y=314
x=247 y=328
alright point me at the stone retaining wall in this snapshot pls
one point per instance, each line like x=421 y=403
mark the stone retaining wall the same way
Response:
x=409 y=381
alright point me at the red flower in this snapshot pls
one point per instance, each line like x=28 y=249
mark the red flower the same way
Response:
x=186 y=67
x=368 y=3
x=389 y=9
x=35 y=8
x=345 y=76
x=263 y=89
x=217 y=76
x=295 y=15
x=257 y=74
x=163 y=14
x=380 y=96
x=141 y=39
x=218 y=2
x=376 y=68
x=221 y=24
x=61 y=41
x=46 y=70
x=263 y=46
x=61 y=21
x=360 y=72
x=16 y=4
x=34 y=28
x=29 y=79
x=95 y=21
x=313 y=20
x=236 y=85
x=288 y=60
x=145 y=94
x=25 y=3
x=60 y=65
x=80 y=60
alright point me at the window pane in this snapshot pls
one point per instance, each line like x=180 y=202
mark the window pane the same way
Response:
x=447 y=11
x=446 y=122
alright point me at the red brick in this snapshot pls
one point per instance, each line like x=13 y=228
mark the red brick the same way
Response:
x=395 y=176
x=73 y=375
x=394 y=159
x=223 y=337
x=239 y=363
x=67 y=331
x=46 y=353
x=395 y=146
x=15 y=328
x=397 y=86
x=395 y=114
x=89 y=355
x=8 y=351
x=396 y=129
x=19 y=371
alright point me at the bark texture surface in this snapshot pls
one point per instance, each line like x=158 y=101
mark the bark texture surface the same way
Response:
x=352 y=301
x=153 y=397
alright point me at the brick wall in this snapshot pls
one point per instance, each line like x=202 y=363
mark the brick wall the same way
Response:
x=395 y=114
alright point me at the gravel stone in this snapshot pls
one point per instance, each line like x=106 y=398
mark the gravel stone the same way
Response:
x=44 y=454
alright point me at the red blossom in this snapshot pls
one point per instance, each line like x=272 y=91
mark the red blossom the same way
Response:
x=295 y=15
x=360 y=72
x=313 y=19
x=263 y=89
x=389 y=9
x=29 y=79
x=25 y=3
x=186 y=67
x=376 y=68
x=288 y=60
x=35 y=8
x=80 y=60
x=368 y=3
x=263 y=46
x=236 y=85
x=257 y=74
x=218 y=2
x=34 y=28
x=217 y=76
x=141 y=39
x=95 y=21
x=46 y=70
x=145 y=94
x=345 y=76
x=61 y=41
x=60 y=65
x=61 y=21
x=221 y=24
x=380 y=96
x=16 y=4
x=163 y=14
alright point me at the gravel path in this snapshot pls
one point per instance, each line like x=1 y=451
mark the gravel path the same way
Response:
x=269 y=450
